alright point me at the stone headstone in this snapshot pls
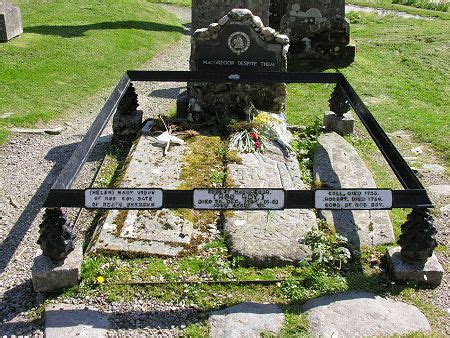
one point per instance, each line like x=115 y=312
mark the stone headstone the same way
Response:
x=10 y=21
x=318 y=31
x=338 y=165
x=239 y=42
x=362 y=314
x=246 y=320
x=206 y=11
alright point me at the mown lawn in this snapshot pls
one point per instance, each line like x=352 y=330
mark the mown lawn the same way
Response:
x=70 y=50
x=401 y=71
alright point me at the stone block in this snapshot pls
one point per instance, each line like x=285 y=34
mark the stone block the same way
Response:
x=49 y=276
x=340 y=124
x=429 y=274
x=182 y=104
x=10 y=21
x=64 y=320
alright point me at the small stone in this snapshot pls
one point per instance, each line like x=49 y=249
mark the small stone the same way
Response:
x=440 y=190
x=360 y=313
x=430 y=273
x=417 y=150
x=343 y=125
x=246 y=320
x=434 y=168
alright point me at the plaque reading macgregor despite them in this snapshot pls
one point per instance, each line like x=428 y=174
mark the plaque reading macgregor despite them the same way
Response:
x=353 y=199
x=123 y=198
x=239 y=199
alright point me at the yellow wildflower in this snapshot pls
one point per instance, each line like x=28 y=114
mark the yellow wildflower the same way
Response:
x=100 y=279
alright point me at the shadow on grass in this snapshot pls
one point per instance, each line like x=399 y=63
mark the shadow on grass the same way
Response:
x=80 y=30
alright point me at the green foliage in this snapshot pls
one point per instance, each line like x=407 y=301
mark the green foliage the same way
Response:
x=313 y=281
x=329 y=250
x=194 y=331
x=185 y=3
x=304 y=144
x=425 y=4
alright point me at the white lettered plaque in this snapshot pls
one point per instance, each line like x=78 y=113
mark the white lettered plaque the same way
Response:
x=353 y=199
x=239 y=199
x=123 y=199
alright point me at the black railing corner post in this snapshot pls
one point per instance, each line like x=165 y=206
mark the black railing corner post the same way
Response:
x=417 y=240
x=56 y=236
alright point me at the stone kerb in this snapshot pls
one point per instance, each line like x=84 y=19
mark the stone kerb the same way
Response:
x=238 y=42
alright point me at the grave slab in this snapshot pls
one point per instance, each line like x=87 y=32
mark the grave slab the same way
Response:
x=64 y=320
x=268 y=238
x=430 y=273
x=50 y=276
x=10 y=21
x=359 y=313
x=246 y=320
x=147 y=232
x=338 y=165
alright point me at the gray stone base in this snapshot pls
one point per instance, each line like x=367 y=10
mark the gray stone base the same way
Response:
x=247 y=320
x=340 y=124
x=50 y=276
x=262 y=238
x=64 y=320
x=429 y=274
x=10 y=23
x=338 y=165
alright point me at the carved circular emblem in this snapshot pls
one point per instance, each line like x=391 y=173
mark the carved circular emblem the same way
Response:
x=239 y=42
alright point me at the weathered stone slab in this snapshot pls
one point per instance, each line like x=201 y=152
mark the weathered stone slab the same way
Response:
x=64 y=320
x=10 y=21
x=337 y=165
x=246 y=320
x=430 y=273
x=50 y=276
x=268 y=238
x=147 y=232
x=342 y=125
x=359 y=313
x=206 y=11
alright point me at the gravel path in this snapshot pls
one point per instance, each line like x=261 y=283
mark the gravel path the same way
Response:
x=30 y=165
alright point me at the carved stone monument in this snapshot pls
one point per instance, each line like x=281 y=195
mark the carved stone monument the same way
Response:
x=10 y=21
x=206 y=11
x=238 y=42
x=318 y=31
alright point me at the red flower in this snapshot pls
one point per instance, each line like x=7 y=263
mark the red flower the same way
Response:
x=254 y=136
x=257 y=145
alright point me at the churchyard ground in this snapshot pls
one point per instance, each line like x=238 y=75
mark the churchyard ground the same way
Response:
x=401 y=72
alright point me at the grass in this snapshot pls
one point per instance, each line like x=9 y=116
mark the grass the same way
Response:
x=71 y=50
x=390 y=5
x=185 y=3
x=435 y=6
x=401 y=71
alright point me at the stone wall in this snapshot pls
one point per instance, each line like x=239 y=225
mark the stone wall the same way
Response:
x=206 y=11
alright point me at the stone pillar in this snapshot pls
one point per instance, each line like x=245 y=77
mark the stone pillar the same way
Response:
x=339 y=119
x=10 y=21
x=414 y=260
x=127 y=121
x=206 y=11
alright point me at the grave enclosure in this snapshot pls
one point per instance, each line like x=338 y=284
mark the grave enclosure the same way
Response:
x=239 y=67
